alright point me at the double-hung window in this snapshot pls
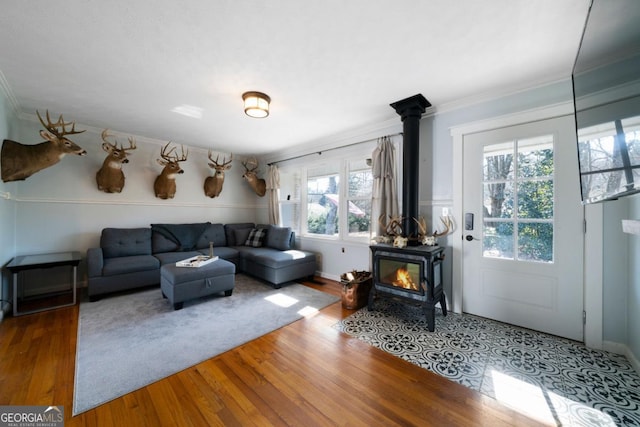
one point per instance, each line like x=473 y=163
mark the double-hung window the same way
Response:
x=358 y=199
x=330 y=200
x=338 y=199
x=290 y=196
x=323 y=200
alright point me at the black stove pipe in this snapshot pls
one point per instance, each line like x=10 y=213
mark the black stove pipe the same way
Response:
x=410 y=111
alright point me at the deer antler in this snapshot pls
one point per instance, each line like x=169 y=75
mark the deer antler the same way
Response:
x=422 y=226
x=173 y=158
x=216 y=161
x=253 y=162
x=132 y=144
x=448 y=226
x=105 y=135
x=53 y=127
x=393 y=227
x=167 y=156
x=184 y=156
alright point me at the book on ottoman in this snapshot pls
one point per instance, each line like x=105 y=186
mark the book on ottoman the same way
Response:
x=196 y=261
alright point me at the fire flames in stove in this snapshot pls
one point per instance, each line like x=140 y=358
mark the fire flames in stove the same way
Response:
x=404 y=280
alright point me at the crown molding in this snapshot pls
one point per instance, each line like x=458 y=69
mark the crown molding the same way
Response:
x=8 y=92
x=495 y=95
x=360 y=135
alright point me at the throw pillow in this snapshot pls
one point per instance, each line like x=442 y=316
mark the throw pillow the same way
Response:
x=279 y=238
x=241 y=235
x=256 y=237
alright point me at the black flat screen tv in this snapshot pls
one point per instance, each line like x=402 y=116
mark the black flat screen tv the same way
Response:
x=606 y=90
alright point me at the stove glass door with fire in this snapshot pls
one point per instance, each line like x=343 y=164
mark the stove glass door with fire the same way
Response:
x=412 y=274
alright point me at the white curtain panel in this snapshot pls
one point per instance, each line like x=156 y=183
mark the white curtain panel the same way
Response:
x=385 y=191
x=273 y=194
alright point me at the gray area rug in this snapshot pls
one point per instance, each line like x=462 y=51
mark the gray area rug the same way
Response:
x=128 y=341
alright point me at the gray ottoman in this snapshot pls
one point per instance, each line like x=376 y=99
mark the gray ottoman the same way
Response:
x=180 y=284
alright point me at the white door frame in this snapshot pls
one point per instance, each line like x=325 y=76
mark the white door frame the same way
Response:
x=593 y=214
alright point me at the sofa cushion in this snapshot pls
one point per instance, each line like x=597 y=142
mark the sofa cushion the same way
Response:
x=173 y=257
x=229 y=230
x=273 y=258
x=242 y=234
x=279 y=238
x=129 y=264
x=185 y=236
x=224 y=252
x=213 y=233
x=122 y=242
x=256 y=237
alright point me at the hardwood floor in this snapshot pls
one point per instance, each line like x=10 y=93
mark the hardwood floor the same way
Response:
x=305 y=374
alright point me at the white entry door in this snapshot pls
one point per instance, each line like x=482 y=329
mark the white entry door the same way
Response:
x=523 y=230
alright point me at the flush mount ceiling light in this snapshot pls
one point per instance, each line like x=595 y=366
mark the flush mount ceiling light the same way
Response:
x=256 y=104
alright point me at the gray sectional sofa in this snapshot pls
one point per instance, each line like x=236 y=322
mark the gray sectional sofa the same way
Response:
x=130 y=258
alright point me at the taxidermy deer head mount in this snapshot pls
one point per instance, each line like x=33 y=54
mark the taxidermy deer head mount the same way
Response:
x=213 y=184
x=258 y=185
x=20 y=161
x=110 y=177
x=165 y=183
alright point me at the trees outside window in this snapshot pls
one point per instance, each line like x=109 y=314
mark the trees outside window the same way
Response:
x=518 y=200
x=338 y=199
x=609 y=156
x=323 y=200
x=359 y=192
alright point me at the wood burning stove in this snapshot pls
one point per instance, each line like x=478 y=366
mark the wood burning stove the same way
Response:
x=412 y=274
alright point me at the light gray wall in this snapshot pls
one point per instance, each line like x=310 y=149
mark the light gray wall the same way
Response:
x=442 y=152
x=7 y=210
x=615 y=271
x=61 y=209
x=436 y=148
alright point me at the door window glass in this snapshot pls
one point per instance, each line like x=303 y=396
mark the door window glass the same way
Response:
x=518 y=200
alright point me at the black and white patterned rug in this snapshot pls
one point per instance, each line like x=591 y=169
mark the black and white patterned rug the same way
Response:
x=553 y=379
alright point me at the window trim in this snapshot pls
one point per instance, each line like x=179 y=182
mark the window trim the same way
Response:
x=356 y=151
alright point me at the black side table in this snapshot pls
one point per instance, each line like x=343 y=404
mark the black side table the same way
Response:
x=31 y=262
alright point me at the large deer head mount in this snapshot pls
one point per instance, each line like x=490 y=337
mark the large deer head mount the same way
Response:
x=165 y=183
x=213 y=184
x=20 y=161
x=258 y=185
x=110 y=177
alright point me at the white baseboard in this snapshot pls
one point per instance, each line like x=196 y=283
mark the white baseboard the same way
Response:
x=623 y=349
x=328 y=276
x=614 y=347
x=632 y=359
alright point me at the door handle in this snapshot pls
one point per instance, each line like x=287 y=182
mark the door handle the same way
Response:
x=469 y=238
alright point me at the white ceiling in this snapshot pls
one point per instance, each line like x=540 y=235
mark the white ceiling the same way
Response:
x=330 y=66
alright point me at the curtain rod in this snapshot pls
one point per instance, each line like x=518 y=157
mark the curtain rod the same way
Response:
x=331 y=149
